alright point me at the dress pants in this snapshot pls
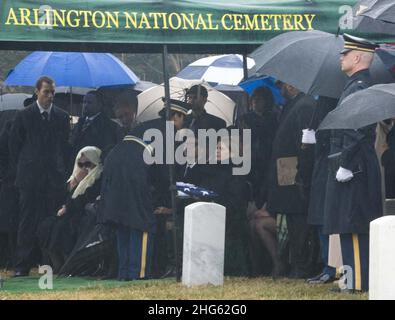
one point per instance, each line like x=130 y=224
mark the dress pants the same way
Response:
x=34 y=206
x=355 y=253
x=134 y=253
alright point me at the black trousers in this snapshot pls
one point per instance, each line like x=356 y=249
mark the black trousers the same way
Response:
x=303 y=245
x=34 y=205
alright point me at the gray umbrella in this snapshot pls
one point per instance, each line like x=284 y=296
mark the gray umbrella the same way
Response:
x=13 y=101
x=363 y=108
x=375 y=16
x=309 y=61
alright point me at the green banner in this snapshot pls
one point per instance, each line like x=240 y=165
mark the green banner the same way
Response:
x=171 y=22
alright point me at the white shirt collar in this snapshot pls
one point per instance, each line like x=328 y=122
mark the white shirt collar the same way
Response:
x=44 y=110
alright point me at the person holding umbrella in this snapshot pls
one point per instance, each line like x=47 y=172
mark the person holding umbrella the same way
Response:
x=290 y=174
x=353 y=193
x=196 y=96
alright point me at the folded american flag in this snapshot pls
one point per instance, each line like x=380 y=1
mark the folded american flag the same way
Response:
x=186 y=190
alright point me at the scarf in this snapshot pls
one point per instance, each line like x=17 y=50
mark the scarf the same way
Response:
x=93 y=154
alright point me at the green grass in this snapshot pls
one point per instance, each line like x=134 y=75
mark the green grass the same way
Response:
x=233 y=289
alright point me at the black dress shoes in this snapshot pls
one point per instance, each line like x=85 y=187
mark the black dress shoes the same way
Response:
x=338 y=290
x=18 y=274
x=321 y=279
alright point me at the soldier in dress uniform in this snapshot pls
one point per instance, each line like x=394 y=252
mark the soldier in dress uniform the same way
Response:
x=162 y=196
x=353 y=193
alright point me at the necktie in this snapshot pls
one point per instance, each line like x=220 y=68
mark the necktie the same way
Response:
x=86 y=124
x=45 y=116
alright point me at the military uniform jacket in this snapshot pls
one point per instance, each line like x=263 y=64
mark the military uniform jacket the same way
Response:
x=320 y=172
x=126 y=197
x=160 y=171
x=39 y=149
x=297 y=115
x=350 y=206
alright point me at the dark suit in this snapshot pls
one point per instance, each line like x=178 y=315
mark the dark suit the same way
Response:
x=102 y=133
x=204 y=121
x=291 y=197
x=39 y=154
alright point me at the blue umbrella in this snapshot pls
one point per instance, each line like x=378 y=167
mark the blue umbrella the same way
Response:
x=254 y=82
x=72 y=69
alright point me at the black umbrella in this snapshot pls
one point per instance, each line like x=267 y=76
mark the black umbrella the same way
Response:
x=363 y=108
x=309 y=61
x=386 y=52
x=375 y=16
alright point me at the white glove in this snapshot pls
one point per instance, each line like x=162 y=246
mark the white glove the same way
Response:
x=308 y=136
x=344 y=175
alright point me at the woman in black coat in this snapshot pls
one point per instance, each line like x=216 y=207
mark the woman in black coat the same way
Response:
x=58 y=234
x=233 y=194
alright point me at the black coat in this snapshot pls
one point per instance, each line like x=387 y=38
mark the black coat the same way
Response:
x=59 y=234
x=296 y=116
x=102 y=133
x=388 y=162
x=351 y=206
x=233 y=195
x=320 y=172
x=204 y=121
x=8 y=192
x=263 y=130
x=126 y=197
x=39 y=149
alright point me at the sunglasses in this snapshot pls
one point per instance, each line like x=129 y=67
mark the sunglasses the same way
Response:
x=85 y=164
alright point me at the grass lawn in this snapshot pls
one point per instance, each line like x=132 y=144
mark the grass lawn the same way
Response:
x=234 y=288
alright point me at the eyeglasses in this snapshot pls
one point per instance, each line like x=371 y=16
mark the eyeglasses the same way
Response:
x=85 y=164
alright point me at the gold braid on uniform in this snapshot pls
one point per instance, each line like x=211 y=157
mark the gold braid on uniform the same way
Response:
x=140 y=142
x=354 y=46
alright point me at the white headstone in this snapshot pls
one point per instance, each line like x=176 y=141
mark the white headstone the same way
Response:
x=204 y=244
x=382 y=259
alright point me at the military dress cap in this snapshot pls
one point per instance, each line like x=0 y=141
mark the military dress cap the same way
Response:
x=360 y=44
x=177 y=106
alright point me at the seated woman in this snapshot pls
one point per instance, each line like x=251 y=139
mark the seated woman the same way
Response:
x=58 y=234
x=231 y=190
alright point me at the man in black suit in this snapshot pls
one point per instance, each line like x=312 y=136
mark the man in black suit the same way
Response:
x=94 y=128
x=290 y=177
x=196 y=96
x=125 y=110
x=39 y=154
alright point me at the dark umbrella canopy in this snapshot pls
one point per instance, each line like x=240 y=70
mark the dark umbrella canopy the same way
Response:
x=375 y=16
x=306 y=60
x=383 y=10
x=309 y=61
x=386 y=52
x=363 y=108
